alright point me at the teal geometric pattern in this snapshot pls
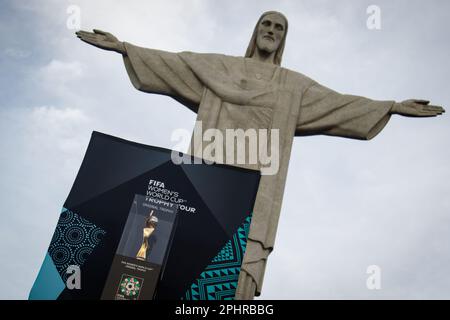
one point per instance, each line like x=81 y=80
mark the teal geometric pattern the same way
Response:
x=73 y=241
x=219 y=280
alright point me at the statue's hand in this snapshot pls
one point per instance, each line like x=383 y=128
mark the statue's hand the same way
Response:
x=416 y=108
x=101 y=39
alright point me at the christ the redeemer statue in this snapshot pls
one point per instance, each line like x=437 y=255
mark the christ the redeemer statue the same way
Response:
x=255 y=92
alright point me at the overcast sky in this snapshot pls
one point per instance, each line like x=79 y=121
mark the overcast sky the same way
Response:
x=348 y=204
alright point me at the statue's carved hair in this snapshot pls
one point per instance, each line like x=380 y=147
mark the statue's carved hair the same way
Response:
x=252 y=46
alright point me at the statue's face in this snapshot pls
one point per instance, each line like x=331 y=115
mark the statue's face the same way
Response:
x=271 y=31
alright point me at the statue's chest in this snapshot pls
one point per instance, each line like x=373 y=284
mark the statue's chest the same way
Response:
x=250 y=95
x=257 y=76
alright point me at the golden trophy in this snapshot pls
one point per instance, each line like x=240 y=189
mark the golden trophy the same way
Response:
x=149 y=228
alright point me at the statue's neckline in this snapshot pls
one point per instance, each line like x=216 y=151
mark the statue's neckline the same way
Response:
x=268 y=73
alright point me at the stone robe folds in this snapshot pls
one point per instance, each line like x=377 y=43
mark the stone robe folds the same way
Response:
x=235 y=92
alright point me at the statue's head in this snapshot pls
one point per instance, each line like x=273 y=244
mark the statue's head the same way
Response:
x=269 y=36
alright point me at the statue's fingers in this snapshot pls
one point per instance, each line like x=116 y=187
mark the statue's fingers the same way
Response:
x=92 y=39
x=93 y=42
x=82 y=31
x=427 y=114
x=85 y=33
x=89 y=35
x=86 y=37
x=424 y=102
x=432 y=112
x=100 y=32
x=88 y=41
x=434 y=108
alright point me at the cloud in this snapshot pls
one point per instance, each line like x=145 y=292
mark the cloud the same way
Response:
x=53 y=132
x=57 y=122
x=61 y=72
x=16 y=53
x=50 y=116
x=57 y=78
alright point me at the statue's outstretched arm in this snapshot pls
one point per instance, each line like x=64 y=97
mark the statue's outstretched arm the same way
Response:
x=416 y=108
x=325 y=111
x=103 y=40
x=152 y=71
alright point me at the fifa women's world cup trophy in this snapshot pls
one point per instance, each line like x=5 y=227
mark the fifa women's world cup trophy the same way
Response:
x=150 y=225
